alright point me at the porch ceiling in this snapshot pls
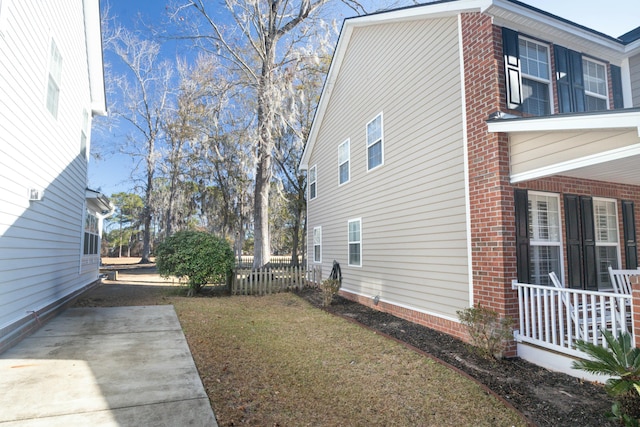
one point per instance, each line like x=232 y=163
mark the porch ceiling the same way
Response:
x=603 y=146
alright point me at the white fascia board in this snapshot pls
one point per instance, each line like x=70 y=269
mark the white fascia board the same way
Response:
x=632 y=48
x=618 y=120
x=594 y=159
x=549 y=27
x=426 y=11
x=93 y=37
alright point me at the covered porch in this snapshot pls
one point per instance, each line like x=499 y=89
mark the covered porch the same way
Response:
x=576 y=181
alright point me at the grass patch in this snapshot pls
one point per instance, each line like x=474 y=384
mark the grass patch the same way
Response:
x=275 y=360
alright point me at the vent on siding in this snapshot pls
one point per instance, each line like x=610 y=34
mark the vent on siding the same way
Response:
x=36 y=194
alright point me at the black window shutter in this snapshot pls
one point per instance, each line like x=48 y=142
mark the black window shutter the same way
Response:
x=562 y=78
x=577 y=81
x=616 y=82
x=511 y=51
x=574 y=240
x=569 y=80
x=588 y=244
x=630 y=243
x=522 y=235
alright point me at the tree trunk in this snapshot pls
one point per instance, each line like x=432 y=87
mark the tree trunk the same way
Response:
x=146 y=239
x=262 y=248
x=120 y=238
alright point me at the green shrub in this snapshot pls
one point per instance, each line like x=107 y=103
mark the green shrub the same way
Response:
x=200 y=257
x=621 y=361
x=329 y=288
x=489 y=333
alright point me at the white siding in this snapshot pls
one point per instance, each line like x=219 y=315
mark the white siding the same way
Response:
x=634 y=70
x=414 y=247
x=41 y=241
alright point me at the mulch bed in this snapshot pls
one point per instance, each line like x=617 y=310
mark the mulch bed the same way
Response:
x=546 y=398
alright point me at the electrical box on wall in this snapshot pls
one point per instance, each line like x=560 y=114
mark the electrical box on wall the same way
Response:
x=36 y=194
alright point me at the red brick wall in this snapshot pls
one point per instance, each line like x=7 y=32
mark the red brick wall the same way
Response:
x=491 y=197
x=635 y=308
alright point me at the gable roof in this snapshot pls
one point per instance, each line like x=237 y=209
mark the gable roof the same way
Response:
x=509 y=13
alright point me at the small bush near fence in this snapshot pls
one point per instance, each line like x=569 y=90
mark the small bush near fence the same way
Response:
x=200 y=257
x=273 y=279
x=329 y=288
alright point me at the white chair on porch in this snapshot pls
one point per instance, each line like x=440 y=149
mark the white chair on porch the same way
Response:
x=583 y=313
x=574 y=312
x=621 y=282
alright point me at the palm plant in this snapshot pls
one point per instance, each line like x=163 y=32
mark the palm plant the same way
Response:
x=621 y=361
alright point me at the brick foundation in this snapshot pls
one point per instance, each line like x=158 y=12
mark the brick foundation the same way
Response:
x=434 y=322
x=635 y=308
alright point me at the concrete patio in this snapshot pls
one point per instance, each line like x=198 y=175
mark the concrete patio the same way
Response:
x=117 y=366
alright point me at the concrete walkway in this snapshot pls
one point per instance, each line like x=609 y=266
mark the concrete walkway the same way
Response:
x=119 y=366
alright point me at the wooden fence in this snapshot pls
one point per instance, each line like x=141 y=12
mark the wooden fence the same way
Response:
x=274 y=279
x=246 y=261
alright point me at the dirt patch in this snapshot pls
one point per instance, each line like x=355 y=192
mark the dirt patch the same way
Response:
x=544 y=397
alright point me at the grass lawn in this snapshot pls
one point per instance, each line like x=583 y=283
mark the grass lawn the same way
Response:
x=278 y=361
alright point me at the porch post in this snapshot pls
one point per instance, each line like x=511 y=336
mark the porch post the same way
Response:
x=635 y=308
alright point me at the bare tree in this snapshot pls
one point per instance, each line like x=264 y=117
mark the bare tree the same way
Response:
x=259 y=47
x=143 y=89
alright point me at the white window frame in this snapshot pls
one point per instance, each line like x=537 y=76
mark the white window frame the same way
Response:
x=91 y=235
x=536 y=78
x=601 y=243
x=345 y=159
x=350 y=242
x=313 y=184
x=54 y=77
x=606 y=81
x=374 y=142
x=317 y=242
x=539 y=242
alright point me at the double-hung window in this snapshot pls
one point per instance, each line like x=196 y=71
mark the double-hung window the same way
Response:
x=54 y=80
x=313 y=182
x=536 y=81
x=375 y=148
x=595 y=85
x=344 y=157
x=317 y=244
x=91 y=236
x=544 y=232
x=605 y=218
x=355 y=242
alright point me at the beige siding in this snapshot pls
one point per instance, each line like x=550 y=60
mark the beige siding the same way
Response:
x=41 y=241
x=533 y=150
x=414 y=247
x=634 y=67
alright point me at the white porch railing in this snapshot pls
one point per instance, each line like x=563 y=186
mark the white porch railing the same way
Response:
x=556 y=318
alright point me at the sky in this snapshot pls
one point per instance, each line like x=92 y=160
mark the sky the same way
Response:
x=111 y=174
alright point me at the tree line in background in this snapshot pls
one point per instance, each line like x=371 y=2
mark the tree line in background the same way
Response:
x=218 y=134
